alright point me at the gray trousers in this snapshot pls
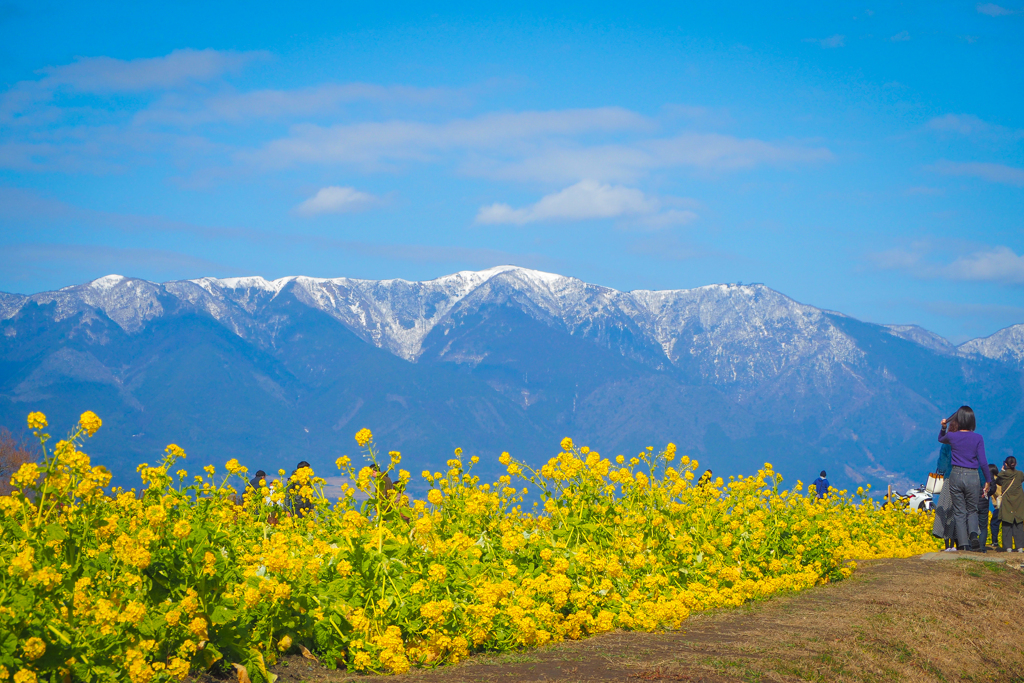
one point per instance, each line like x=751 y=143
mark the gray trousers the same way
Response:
x=964 y=489
x=1016 y=531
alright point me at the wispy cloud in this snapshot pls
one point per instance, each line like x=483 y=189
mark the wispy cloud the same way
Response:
x=530 y=146
x=971 y=126
x=994 y=10
x=180 y=67
x=107 y=75
x=993 y=173
x=376 y=143
x=998 y=264
x=314 y=101
x=831 y=42
x=335 y=200
x=587 y=200
x=900 y=37
x=707 y=153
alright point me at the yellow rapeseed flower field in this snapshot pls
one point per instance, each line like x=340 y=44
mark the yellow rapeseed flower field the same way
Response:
x=186 y=573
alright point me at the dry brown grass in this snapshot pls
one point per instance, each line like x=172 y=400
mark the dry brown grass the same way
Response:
x=893 y=620
x=12 y=454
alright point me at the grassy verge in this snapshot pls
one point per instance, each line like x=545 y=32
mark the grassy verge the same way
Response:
x=893 y=620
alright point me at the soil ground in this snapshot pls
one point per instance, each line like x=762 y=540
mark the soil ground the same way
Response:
x=893 y=620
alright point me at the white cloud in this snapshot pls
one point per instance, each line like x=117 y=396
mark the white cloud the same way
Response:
x=379 y=143
x=531 y=146
x=1000 y=264
x=994 y=173
x=994 y=10
x=281 y=104
x=710 y=153
x=831 y=42
x=900 y=37
x=31 y=102
x=996 y=264
x=180 y=67
x=587 y=200
x=972 y=126
x=335 y=199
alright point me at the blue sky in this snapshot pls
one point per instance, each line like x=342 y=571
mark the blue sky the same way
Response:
x=860 y=157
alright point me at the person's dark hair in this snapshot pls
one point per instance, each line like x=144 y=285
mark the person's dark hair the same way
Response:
x=823 y=475
x=302 y=463
x=965 y=418
x=993 y=470
x=260 y=474
x=1011 y=463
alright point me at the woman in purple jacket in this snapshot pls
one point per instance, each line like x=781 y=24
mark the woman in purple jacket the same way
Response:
x=964 y=484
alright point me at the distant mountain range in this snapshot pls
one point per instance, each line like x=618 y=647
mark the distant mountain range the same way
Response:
x=271 y=372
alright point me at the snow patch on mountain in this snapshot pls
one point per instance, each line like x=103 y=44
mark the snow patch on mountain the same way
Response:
x=743 y=332
x=923 y=337
x=10 y=304
x=1006 y=345
x=129 y=302
x=727 y=333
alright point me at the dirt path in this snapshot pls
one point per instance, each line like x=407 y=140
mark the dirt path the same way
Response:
x=893 y=620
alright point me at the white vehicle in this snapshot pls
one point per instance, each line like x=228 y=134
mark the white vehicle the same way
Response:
x=918 y=499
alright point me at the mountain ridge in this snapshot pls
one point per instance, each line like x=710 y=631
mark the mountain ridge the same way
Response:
x=469 y=281
x=502 y=359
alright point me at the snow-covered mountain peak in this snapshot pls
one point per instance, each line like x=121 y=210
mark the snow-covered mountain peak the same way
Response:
x=128 y=301
x=749 y=330
x=245 y=282
x=1006 y=345
x=106 y=282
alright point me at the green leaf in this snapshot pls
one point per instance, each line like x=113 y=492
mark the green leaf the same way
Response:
x=209 y=656
x=54 y=532
x=222 y=615
x=9 y=644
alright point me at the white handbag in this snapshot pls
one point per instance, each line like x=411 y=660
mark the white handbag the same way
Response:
x=935 y=481
x=997 y=496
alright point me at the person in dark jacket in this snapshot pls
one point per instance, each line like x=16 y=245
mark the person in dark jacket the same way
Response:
x=943 y=527
x=260 y=476
x=983 y=502
x=1011 y=508
x=994 y=524
x=298 y=504
x=821 y=485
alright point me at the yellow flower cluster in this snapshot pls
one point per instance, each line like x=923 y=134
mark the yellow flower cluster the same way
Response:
x=155 y=584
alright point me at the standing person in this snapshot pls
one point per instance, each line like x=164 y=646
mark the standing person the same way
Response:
x=983 y=502
x=968 y=454
x=943 y=526
x=994 y=524
x=259 y=479
x=821 y=485
x=1011 y=509
x=298 y=503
